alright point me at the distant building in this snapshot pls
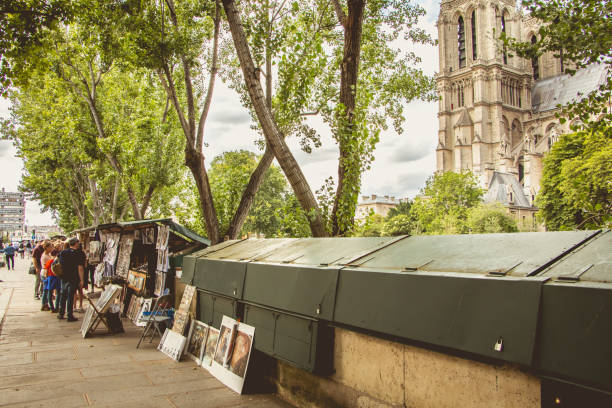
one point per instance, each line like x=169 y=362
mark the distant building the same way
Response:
x=497 y=111
x=43 y=231
x=378 y=204
x=12 y=212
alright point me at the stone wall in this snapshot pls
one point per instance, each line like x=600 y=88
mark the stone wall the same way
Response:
x=376 y=373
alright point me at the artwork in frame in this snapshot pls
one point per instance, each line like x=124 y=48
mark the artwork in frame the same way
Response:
x=136 y=280
x=196 y=343
x=211 y=345
x=232 y=353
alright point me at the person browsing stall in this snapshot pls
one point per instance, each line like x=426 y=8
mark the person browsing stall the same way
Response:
x=73 y=272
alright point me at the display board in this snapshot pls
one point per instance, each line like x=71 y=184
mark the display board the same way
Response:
x=172 y=344
x=181 y=316
x=232 y=353
x=125 y=252
x=104 y=302
x=196 y=344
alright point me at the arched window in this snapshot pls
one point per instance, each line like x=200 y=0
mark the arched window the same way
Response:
x=535 y=66
x=503 y=28
x=474 y=54
x=461 y=42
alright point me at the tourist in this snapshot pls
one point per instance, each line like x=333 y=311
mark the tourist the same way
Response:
x=51 y=282
x=36 y=254
x=21 y=249
x=73 y=270
x=9 y=255
x=79 y=292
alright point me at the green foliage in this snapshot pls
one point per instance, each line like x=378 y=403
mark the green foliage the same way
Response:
x=442 y=205
x=490 y=218
x=575 y=187
x=229 y=175
x=372 y=226
x=23 y=24
x=400 y=224
x=579 y=32
x=301 y=40
x=403 y=208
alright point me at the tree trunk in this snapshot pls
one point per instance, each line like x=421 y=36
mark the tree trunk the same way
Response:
x=114 y=200
x=273 y=136
x=195 y=161
x=248 y=195
x=146 y=200
x=349 y=71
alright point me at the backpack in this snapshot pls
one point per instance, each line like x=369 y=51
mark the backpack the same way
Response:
x=56 y=268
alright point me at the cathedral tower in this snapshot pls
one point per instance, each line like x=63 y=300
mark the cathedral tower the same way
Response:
x=497 y=111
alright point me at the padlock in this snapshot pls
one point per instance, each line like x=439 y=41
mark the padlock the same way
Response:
x=499 y=345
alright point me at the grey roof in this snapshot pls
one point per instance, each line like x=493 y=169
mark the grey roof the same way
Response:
x=499 y=187
x=547 y=93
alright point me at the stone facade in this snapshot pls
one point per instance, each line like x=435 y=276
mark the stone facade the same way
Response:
x=497 y=111
x=378 y=204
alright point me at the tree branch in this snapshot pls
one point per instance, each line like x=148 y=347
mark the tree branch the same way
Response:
x=211 y=82
x=339 y=12
x=168 y=84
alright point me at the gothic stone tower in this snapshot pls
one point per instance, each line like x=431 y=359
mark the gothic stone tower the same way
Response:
x=496 y=112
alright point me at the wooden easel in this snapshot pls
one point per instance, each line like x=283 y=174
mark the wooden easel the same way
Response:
x=99 y=317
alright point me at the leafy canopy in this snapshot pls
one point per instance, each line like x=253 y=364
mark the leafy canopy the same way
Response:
x=576 y=189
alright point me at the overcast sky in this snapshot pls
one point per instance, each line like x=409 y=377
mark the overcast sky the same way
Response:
x=402 y=162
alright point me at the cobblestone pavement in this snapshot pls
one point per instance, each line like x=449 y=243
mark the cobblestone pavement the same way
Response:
x=44 y=362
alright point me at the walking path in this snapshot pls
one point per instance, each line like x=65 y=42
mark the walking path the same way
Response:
x=44 y=362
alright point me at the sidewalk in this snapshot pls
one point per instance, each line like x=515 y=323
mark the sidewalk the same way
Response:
x=44 y=362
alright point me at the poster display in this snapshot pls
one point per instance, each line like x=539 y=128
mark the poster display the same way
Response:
x=172 y=344
x=196 y=344
x=147 y=236
x=232 y=353
x=125 y=253
x=160 y=283
x=163 y=233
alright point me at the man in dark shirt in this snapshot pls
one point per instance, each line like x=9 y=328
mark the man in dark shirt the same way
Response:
x=73 y=270
x=36 y=254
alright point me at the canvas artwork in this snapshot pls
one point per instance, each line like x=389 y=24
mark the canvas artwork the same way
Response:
x=180 y=321
x=125 y=253
x=232 y=353
x=226 y=334
x=241 y=352
x=172 y=345
x=198 y=333
x=211 y=345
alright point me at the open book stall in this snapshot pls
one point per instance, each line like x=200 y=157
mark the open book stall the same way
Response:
x=138 y=256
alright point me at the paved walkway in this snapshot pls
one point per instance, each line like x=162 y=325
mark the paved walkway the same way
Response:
x=44 y=362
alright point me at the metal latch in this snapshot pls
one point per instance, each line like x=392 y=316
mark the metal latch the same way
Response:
x=575 y=277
